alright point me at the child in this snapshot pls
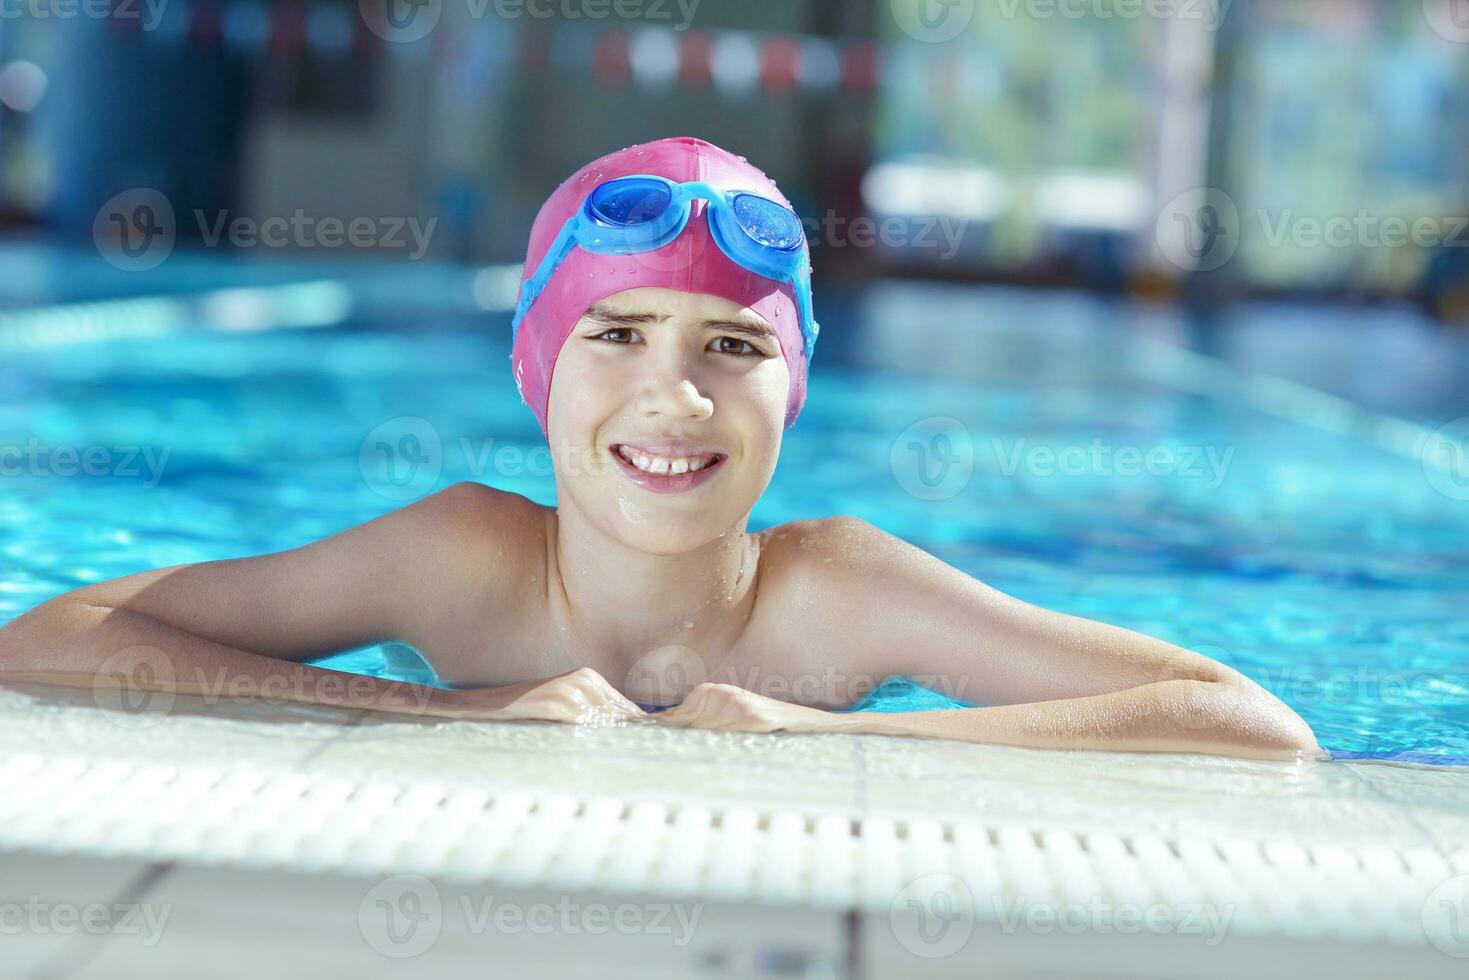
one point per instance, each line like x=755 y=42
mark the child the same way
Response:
x=662 y=341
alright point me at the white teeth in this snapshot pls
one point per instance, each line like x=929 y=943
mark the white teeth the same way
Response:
x=663 y=466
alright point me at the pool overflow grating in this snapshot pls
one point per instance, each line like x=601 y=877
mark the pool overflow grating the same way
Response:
x=249 y=817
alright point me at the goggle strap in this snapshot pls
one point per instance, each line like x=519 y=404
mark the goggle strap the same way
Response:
x=555 y=255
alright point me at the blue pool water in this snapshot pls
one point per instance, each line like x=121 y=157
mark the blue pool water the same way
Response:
x=1284 y=524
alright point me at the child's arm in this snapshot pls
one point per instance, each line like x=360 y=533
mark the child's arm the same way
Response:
x=238 y=629
x=1055 y=681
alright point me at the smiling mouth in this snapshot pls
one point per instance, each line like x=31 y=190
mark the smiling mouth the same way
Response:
x=666 y=472
x=668 y=465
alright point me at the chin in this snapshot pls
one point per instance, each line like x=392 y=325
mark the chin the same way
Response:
x=659 y=530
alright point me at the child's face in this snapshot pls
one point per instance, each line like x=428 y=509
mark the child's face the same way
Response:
x=653 y=381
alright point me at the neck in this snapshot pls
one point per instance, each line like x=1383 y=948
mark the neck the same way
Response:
x=622 y=603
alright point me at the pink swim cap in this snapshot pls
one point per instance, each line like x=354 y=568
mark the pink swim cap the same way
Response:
x=692 y=263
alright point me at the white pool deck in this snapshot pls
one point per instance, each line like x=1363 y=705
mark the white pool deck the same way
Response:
x=275 y=839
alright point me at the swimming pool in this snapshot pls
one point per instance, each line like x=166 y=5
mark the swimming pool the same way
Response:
x=1250 y=491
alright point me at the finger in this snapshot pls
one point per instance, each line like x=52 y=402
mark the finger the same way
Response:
x=679 y=713
x=620 y=702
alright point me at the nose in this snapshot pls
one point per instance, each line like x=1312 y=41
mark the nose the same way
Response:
x=671 y=388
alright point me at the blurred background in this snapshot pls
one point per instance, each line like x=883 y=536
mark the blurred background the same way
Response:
x=1054 y=137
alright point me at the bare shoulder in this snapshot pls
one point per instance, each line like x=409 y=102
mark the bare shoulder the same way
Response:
x=468 y=556
x=489 y=534
x=834 y=552
x=843 y=569
x=465 y=551
x=867 y=600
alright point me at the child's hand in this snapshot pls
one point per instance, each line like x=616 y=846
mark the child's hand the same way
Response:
x=726 y=708
x=577 y=697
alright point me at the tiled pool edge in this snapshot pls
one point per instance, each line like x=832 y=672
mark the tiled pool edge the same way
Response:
x=252 y=816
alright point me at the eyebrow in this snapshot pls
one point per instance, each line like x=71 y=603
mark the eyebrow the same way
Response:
x=748 y=327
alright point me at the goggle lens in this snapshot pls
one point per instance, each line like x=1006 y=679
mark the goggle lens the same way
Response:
x=630 y=201
x=767 y=222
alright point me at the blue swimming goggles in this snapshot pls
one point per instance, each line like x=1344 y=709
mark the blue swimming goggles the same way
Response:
x=645 y=212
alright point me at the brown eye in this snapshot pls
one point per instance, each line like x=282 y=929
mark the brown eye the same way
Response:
x=615 y=335
x=736 y=346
